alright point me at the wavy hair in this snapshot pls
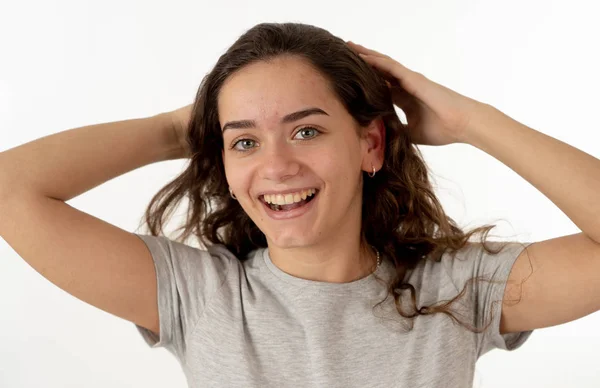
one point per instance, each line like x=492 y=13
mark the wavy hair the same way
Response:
x=401 y=215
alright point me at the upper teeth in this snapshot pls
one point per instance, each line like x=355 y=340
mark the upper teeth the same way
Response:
x=287 y=199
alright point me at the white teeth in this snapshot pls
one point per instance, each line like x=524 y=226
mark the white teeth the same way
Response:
x=287 y=199
x=279 y=199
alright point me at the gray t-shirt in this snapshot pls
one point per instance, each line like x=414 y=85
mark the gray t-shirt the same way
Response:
x=249 y=324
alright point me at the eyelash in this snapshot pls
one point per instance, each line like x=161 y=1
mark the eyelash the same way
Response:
x=235 y=143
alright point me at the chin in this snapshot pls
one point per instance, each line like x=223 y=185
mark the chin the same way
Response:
x=291 y=238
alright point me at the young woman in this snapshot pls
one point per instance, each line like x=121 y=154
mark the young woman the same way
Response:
x=326 y=258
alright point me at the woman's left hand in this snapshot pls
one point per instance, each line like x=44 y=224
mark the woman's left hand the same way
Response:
x=435 y=114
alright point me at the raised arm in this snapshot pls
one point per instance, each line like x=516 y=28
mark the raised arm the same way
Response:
x=90 y=259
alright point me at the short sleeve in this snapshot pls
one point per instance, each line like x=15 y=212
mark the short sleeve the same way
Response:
x=187 y=278
x=487 y=294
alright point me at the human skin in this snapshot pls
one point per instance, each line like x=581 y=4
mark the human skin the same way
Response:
x=320 y=151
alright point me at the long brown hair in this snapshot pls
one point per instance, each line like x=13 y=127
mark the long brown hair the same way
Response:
x=401 y=215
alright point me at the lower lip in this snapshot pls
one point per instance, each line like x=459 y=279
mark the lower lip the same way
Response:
x=284 y=215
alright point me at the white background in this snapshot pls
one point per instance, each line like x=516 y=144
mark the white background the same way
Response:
x=66 y=64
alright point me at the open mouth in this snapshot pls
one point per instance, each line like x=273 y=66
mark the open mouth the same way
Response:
x=286 y=202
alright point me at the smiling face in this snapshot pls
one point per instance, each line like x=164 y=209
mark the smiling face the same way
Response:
x=286 y=134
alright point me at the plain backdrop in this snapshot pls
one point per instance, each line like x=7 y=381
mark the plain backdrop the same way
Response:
x=66 y=64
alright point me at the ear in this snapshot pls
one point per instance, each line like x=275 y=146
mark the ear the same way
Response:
x=373 y=145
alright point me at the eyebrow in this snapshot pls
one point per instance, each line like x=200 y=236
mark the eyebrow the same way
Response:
x=245 y=124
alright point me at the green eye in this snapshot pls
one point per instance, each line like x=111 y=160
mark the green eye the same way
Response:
x=246 y=144
x=307 y=133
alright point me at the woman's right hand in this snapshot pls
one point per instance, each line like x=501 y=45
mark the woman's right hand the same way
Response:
x=180 y=119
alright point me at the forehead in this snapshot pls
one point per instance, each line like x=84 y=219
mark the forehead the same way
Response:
x=269 y=90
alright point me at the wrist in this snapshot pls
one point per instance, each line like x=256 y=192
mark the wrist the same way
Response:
x=174 y=147
x=482 y=119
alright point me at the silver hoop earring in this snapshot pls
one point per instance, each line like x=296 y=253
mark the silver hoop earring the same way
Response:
x=372 y=174
x=231 y=194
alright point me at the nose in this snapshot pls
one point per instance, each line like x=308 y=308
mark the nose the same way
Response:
x=278 y=163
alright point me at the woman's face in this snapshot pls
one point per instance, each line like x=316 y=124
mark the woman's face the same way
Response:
x=287 y=155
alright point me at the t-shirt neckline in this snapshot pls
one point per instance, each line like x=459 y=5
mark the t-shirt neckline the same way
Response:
x=363 y=284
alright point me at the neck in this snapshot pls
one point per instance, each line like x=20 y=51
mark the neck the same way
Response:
x=337 y=261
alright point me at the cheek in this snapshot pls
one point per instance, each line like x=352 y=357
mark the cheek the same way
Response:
x=237 y=174
x=339 y=164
